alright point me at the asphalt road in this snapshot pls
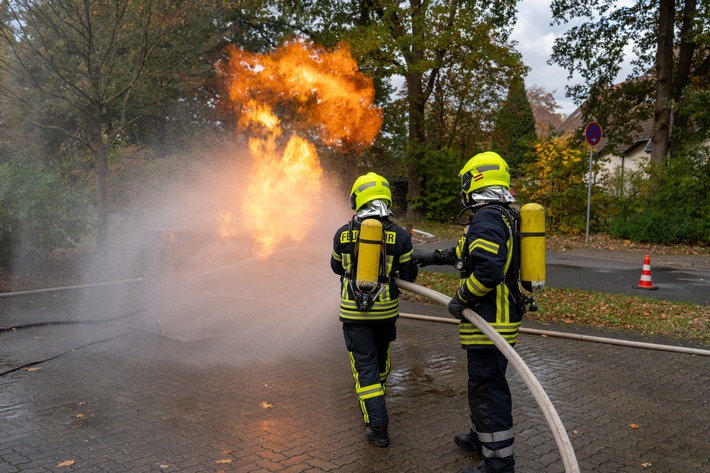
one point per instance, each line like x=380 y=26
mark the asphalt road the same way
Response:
x=685 y=279
x=619 y=277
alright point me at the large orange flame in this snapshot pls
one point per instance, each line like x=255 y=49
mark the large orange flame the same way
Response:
x=314 y=93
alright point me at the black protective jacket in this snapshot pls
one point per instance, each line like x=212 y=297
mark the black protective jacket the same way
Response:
x=487 y=250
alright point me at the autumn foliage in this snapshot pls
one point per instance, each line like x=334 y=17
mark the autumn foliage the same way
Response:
x=557 y=181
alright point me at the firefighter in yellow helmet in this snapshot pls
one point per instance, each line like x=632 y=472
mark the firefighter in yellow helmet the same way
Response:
x=485 y=257
x=368 y=253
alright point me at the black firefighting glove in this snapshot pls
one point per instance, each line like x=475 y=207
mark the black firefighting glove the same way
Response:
x=459 y=302
x=457 y=305
x=422 y=258
x=437 y=257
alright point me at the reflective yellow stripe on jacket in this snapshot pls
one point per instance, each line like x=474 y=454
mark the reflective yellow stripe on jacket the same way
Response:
x=470 y=335
x=379 y=311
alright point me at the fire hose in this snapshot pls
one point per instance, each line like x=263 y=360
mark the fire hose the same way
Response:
x=553 y=419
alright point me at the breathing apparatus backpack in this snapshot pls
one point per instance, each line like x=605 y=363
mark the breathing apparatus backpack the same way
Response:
x=369 y=250
x=527 y=268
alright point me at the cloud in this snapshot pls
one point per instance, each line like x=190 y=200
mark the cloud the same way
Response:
x=535 y=37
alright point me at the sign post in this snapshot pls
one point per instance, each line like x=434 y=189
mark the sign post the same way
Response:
x=593 y=135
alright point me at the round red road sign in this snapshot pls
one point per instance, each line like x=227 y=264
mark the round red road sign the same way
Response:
x=593 y=133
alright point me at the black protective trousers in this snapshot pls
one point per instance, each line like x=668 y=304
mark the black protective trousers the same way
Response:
x=491 y=407
x=368 y=346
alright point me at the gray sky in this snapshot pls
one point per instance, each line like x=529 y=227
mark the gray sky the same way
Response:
x=535 y=37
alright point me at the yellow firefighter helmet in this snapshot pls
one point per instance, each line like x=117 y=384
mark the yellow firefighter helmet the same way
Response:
x=370 y=187
x=483 y=170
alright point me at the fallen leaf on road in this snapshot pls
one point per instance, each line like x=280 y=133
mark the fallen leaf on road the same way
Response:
x=634 y=426
x=66 y=463
x=33 y=369
x=646 y=465
x=266 y=405
x=226 y=460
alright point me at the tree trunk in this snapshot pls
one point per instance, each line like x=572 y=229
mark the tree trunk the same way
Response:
x=99 y=150
x=664 y=85
x=417 y=138
x=686 y=51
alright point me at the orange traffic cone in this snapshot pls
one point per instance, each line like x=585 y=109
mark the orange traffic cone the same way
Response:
x=645 y=282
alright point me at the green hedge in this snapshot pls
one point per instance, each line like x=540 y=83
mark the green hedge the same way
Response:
x=40 y=210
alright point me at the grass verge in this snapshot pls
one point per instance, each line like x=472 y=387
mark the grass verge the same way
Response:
x=640 y=314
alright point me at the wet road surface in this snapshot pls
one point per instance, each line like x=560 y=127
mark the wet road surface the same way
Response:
x=114 y=396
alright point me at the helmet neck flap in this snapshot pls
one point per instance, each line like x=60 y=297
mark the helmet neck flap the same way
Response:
x=374 y=208
x=485 y=195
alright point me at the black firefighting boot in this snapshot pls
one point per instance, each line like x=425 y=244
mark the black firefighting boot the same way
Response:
x=505 y=465
x=378 y=435
x=480 y=468
x=469 y=442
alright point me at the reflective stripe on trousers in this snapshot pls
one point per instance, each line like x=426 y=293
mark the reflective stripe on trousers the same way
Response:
x=490 y=404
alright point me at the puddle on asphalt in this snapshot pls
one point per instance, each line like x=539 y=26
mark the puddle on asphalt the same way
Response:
x=10 y=411
x=423 y=378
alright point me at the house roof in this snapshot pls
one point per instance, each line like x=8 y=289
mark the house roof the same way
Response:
x=546 y=122
x=575 y=122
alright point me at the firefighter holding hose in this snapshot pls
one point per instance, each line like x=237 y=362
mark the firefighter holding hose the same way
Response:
x=368 y=253
x=485 y=256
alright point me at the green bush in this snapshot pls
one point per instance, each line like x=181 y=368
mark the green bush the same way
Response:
x=441 y=185
x=667 y=225
x=677 y=210
x=40 y=211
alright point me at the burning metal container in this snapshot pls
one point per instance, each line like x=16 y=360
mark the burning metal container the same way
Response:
x=173 y=275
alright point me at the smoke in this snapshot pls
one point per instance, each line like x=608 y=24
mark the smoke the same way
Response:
x=241 y=249
x=198 y=286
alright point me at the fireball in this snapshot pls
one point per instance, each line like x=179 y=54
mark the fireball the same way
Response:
x=285 y=101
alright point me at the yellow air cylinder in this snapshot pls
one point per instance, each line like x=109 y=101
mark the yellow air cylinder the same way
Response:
x=532 y=247
x=369 y=251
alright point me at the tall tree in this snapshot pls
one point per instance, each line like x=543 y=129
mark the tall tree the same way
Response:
x=77 y=66
x=671 y=48
x=538 y=96
x=462 y=44
x=514 y=133
x=545 y=110
x=3 y=80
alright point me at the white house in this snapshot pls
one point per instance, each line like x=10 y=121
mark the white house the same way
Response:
x=620 y=160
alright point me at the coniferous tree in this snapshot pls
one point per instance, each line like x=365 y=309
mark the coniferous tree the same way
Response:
x=514 y=131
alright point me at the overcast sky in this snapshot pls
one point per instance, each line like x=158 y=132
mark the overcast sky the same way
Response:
x=535 y=37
